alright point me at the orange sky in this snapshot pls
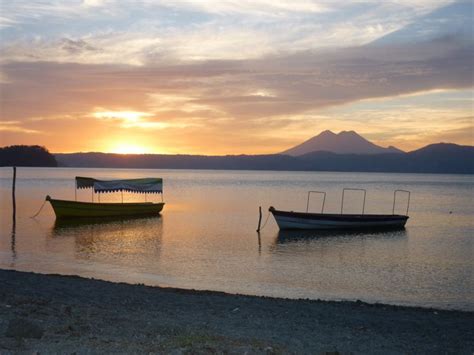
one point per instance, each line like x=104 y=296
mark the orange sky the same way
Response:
x=227 y=78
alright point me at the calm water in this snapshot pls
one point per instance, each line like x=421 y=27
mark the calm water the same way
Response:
x=205 y=238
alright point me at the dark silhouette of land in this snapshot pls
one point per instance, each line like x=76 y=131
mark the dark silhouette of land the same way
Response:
x=26 y=155
x=435 y=158
x=346 y=151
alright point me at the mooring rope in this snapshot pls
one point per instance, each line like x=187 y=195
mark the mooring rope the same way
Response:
x=266 y=220
x=39 y=211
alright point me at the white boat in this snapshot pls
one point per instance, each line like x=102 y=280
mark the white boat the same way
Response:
x=303 y=220
x=334 y=221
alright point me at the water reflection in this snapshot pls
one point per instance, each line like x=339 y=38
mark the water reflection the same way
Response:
x=64 y=224
x=13 y=240
x=327 y=254
x=295 y=236
x=112 y=238
x=259 y=239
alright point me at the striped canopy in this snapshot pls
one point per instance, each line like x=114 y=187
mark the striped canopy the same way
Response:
x=147 y=185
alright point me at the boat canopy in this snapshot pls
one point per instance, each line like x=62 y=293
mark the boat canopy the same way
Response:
x=147 y=185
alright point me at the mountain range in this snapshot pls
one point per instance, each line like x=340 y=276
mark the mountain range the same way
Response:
x=346 y=151
x=346 y=142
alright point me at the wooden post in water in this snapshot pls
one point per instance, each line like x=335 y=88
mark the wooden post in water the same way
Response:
x=13 y=194
x=259 y=218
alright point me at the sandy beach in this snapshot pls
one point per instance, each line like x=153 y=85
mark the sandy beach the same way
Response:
x=67 y=314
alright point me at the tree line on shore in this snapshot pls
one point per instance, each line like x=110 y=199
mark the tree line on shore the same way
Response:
x=26 y=155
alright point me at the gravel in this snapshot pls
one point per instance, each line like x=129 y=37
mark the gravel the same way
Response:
x=69 y=314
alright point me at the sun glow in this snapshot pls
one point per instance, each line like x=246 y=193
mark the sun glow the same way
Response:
x=124 y=148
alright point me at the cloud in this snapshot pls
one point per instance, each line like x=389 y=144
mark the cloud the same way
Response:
x=25 y=11
x=134 y=119
x=15 y=126
x=461 y=135
x=95 y=3
x=6 y=22
x=75 y=47
x=254 y=7
x=240 y=105
x=144 y=32
x=299 y=82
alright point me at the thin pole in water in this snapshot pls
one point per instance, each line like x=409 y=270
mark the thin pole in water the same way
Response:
x=259 y=218
x=13 y=194
x=13 y=241
x=342 y=201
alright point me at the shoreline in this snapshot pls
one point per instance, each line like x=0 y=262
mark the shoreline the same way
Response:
x=193 y=291
x=71 y=313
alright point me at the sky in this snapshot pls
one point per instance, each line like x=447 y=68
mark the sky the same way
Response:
x=234 y=76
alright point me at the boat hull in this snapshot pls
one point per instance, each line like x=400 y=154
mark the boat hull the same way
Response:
x=77 y=209
x=325 y=221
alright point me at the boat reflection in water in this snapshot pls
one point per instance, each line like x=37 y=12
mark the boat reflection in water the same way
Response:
x=111 y=238
x=291 y=236
x=333 y=252
x=66 y=224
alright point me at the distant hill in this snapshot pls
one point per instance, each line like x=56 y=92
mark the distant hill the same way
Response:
x=346 y=142
x=163 y=161
x=26 y=155
x=435 y=158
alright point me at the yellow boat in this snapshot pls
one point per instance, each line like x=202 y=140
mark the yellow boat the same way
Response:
x=80 y=209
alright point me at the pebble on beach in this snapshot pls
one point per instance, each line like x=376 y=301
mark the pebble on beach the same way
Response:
x=23 y=328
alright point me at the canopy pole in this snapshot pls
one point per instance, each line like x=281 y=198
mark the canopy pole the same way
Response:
x=145 y=197
x=92 y=193
x=75 y=192
x=121 y=192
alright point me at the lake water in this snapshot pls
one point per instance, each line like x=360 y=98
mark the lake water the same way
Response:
x=206 y=239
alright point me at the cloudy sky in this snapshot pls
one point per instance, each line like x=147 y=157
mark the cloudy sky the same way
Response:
x=233 y=76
